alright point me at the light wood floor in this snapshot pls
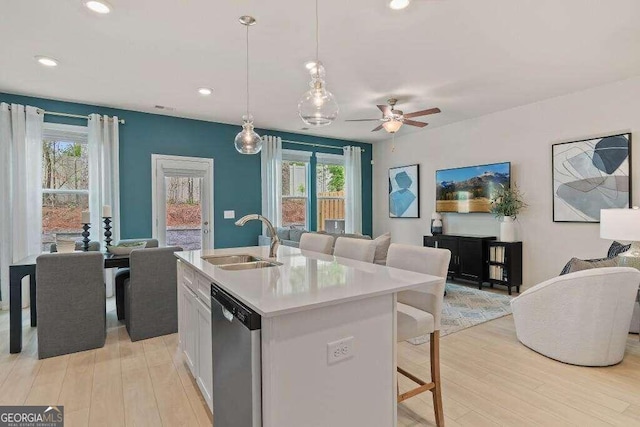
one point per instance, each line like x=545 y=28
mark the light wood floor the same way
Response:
x=488 y=379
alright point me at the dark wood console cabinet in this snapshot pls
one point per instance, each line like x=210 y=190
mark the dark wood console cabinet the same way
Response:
x=505 y=264
x=469 y=255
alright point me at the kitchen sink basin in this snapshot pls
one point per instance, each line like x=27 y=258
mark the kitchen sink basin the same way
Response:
x=230 y=259
x=249 y=265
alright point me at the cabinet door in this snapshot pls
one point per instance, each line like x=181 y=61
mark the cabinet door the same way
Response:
x=180 y=307
x=190 y=327
x=470 y=256
x=429 y=241
x=205 y=362
x=451 y=243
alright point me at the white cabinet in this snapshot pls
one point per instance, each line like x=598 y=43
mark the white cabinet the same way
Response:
x=205 y=363
x=189 y=329
x=194 y=327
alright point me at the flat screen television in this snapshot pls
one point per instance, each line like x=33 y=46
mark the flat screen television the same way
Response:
x=469 y=189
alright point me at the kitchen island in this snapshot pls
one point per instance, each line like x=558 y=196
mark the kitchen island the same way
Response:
x=326 y=349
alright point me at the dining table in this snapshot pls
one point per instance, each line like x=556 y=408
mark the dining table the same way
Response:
x=27 y=267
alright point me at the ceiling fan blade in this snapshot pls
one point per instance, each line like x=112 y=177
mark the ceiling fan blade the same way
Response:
x=386 y=110
x=362 y=120
x=377 y=129
x=422 y=113
x=414 y=123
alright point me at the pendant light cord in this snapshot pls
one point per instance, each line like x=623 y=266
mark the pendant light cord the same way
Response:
x=247 y=72
x=317 y=40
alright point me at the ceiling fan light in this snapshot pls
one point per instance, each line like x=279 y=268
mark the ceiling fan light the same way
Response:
x=392 y=126
x=399 y=4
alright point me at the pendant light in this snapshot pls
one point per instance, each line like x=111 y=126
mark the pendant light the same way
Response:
x=247 y=140
x=318 y=106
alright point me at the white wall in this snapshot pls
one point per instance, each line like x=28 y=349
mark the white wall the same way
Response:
x=523 y=136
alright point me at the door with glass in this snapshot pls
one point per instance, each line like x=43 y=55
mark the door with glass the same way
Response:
x=183 y=201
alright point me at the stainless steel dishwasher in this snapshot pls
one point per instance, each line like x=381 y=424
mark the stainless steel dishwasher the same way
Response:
x=235 y=341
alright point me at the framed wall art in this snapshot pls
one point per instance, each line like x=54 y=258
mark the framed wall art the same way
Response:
x=404 y=192
x=590 y=175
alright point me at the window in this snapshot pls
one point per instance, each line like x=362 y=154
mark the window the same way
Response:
x=330 y=175
x=294 y=194
x=65 y=182
x=295 y=188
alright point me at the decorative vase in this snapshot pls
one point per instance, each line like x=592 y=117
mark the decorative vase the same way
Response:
x=507 y=229
x=436 y=224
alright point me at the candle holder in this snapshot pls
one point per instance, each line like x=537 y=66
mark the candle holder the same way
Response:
x=85 y=236
x=107 y=230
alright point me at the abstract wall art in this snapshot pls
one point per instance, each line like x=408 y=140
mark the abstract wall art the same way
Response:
x=590 y=175
x=404 y=192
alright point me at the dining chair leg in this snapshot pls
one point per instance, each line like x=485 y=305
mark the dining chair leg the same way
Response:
x=434 y=348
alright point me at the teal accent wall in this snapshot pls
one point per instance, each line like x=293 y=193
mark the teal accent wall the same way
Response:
x=237 y=181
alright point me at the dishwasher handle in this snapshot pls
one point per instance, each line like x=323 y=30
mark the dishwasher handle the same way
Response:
x=249 y=318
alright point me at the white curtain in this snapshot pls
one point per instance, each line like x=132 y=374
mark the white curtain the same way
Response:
x=104 y=174
x=20 y=188
x=353 y=186
x=271 y=162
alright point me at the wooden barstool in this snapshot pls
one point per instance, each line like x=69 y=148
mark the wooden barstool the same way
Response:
x=419 y=313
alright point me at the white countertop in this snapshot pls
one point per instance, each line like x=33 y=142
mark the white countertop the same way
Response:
x=305 y=280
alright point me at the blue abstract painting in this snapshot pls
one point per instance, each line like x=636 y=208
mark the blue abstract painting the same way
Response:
x=591 y=175
x=404 y=192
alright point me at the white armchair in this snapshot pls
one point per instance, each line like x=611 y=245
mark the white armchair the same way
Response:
x=580 y=318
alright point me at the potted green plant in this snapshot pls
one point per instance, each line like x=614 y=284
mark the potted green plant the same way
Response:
x=506 y=204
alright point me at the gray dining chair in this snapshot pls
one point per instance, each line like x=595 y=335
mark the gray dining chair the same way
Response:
x=123 y=274
x=71 y=301
x=151 y=294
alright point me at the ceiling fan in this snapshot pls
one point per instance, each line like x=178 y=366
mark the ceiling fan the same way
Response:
x=392 y=119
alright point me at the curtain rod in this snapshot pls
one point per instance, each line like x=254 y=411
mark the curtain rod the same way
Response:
x=73 y=116
x=315 y=145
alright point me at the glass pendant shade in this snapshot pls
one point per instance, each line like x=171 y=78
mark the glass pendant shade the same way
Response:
x=247 y=140
x=392 y=126
x=318 y=106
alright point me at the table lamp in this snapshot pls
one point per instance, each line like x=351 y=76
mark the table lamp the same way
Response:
x=623 y=224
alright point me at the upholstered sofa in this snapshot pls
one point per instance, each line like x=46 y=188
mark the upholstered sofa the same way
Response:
x=291 y=236
x=616 y=248
x=579 y=318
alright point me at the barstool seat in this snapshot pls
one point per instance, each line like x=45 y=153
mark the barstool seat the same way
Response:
x=413 y=322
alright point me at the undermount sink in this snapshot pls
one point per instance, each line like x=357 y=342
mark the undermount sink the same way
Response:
x=230 y=259
x=249 y=265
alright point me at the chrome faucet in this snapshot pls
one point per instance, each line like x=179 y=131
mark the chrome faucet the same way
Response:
x=275 y=241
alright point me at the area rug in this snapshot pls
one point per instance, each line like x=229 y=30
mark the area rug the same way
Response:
x=465 y=307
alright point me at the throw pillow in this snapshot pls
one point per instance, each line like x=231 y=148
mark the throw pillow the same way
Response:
x=295 y=234
x=579 y=264
x=382 y=247
x=616 y=249
x=283 y=233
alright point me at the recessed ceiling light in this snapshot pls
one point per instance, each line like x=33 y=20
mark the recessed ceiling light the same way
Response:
x=101 y=7
x=399 y=4
x=46 y=61
x=205 y=91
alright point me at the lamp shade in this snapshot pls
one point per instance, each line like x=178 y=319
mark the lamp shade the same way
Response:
x=392 y=126
x=620 y=224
